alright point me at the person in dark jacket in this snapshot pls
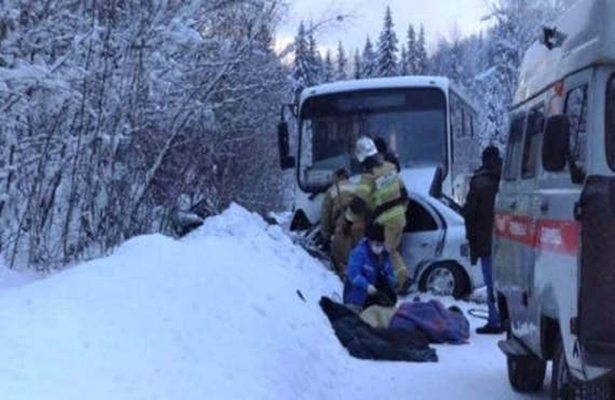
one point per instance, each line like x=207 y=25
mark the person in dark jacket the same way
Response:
x=479 y=215
x=370 y=278
x=383 y=149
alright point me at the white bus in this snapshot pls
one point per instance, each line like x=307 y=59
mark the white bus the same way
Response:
x=426 y=121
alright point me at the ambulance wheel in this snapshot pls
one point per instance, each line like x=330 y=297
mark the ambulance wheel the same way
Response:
x=526 y=374
x=565 y=386
x=445 y=279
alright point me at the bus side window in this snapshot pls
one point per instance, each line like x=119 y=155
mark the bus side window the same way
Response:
x=513 y=150
x=531 y=147
x=576 y=109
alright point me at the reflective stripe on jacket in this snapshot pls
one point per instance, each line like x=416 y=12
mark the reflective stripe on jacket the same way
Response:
x=336 y=199
x=380 y=186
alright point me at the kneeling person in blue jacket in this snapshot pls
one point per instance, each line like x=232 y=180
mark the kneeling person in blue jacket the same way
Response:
x=370 y=278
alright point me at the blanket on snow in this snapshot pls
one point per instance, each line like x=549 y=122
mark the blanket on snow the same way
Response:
x=365 y=342
x=440 y=324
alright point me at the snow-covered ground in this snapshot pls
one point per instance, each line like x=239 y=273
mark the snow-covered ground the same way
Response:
x=214 y=316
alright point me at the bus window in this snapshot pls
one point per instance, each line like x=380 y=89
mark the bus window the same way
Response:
x=513 y=150
x=412 y=121
x=610 y=122
x=576 y=109
x=535 y=128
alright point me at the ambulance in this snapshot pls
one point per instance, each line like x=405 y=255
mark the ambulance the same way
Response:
x=554 y=247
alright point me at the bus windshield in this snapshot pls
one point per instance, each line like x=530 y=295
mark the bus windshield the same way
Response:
x=411 y=120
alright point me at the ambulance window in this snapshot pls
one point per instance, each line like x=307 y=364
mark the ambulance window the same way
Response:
x=610 y=122
x=531 y=148
x=513 y=150
x=576 y=109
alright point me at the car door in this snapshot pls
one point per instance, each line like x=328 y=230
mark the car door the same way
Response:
x=423 y=234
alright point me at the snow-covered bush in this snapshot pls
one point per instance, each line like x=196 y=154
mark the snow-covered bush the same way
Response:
x=111 y=111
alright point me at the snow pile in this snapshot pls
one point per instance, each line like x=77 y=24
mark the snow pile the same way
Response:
x=11 y=278
x=214 y=316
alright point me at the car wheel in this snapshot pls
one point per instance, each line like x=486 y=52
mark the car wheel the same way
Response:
x=445 y=279
x=565 y=386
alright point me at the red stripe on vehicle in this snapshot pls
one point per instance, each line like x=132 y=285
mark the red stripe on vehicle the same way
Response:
x=560 y=236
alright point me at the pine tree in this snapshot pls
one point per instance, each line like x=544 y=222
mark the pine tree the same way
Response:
x=314 y=60
x=301 y=64
x=370 y=60
x=422 y=61
x=342 y=63
x=328 y=70
x=404 y=65
x=412 y=55
x=387 y=47
x=358 y=65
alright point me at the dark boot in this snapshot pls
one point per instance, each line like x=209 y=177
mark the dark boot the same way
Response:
x=490 y=329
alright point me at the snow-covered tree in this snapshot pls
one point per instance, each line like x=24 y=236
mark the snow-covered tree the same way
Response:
x=342 y=63
x=301 y=73
x=422 y=59
x=314 y=58
x=413 y=52
x=116 y=115
x=387 y=47
x=404 y=62
x=370 y=60
x=488 y=65
x=357 y=66
x=306 y=65
x=328 y=68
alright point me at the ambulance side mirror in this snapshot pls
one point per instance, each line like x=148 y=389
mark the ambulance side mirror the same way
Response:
x=286 y=160
x=556 y=143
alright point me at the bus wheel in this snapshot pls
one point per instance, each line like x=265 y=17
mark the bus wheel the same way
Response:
x=565 y=387
x=445 y=279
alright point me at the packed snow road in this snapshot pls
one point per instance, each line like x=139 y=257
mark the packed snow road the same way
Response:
x=214 y=316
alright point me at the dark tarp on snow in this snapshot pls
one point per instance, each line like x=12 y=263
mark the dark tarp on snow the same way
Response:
x=365 y=342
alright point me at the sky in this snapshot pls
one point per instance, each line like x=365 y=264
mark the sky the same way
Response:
x=441 y=18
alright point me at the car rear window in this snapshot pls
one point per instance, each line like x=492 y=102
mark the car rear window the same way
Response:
x=610 y=122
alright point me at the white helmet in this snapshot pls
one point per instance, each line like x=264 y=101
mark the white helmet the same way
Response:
x=365 y=148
